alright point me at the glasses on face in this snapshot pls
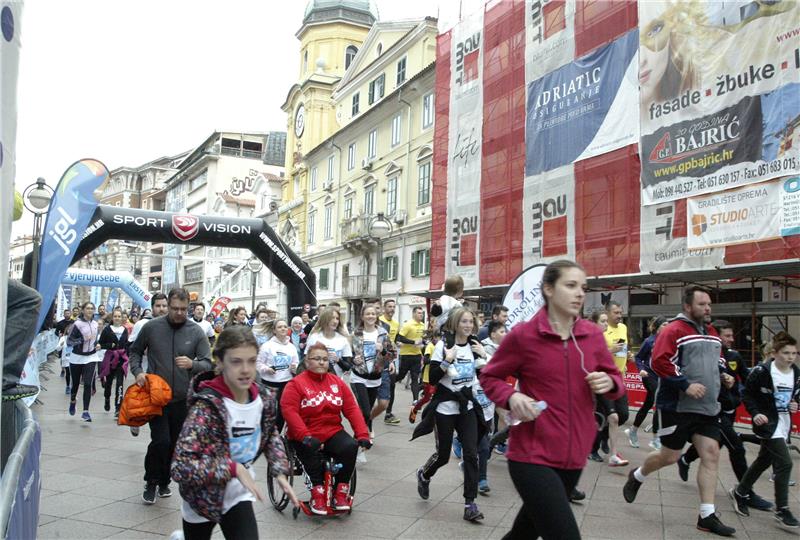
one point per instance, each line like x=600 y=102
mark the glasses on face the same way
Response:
x=320 y=359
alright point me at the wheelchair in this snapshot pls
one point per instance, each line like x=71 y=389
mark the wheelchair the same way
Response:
x=280 y=500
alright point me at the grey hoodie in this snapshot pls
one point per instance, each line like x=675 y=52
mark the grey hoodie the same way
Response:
x=163 y=343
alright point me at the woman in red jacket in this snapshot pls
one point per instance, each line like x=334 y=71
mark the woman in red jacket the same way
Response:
x=312 y=405
x=562 y=360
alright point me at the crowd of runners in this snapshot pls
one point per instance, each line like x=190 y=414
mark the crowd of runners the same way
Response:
x=548 y=395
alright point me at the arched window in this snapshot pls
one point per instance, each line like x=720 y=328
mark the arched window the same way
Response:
x=349 y=54
x=380 y=48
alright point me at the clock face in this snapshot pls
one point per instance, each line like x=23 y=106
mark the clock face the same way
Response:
x=300 y=121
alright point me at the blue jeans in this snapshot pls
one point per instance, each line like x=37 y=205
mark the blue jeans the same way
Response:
x=22 y=311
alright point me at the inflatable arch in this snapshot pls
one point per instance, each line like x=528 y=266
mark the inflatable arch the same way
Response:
x=108 y=278
x=112 y=222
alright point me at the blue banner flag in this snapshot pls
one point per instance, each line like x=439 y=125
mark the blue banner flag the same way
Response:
x=111 y=303
x=71 y=209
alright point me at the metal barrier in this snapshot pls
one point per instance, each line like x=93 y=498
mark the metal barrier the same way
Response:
x=24 y=429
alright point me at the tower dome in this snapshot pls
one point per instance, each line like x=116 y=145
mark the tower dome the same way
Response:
x=360 y=12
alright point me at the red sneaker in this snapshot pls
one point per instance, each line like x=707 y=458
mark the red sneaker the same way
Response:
x=341 y=497
x=318 y=503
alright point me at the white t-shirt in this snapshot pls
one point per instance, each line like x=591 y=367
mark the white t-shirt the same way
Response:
x=370 y=355
x=208 y=330
x=483 y=399
x=338 y=344
x=447 y=303
x=117 y=330
x=280 y=357
x=244 y=438
x=782 y=383
x=464 y=365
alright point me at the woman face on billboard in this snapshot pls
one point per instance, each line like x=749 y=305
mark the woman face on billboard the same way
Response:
x=653 y=57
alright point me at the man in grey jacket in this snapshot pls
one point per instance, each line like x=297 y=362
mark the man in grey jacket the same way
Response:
x=175 y=351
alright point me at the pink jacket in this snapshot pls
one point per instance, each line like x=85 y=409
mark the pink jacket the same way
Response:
x=549 y=369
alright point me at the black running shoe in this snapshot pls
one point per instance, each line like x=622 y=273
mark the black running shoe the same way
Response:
x=786 y=519
x=471 y=512
x=164 y=492
x=739 y=502
x=712 y=524
x=594 y=456
x=756 y=502
x=423 y=485
x=149 y=494
x=631 y=488
x=576 y=495
x=683 y=469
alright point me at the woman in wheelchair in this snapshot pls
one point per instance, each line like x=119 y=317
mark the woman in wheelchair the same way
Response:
x=312 y=405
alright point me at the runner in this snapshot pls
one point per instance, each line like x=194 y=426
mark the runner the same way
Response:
x=237 y=316
x=393 y=327
x=771 y=396
x=230 y=422
x=496 y=332
x=313 y=404
x=159 y=304
x=617 y=411
x=83 y=358
x=453 y=293
x=560 y=359
x=277 y=363
x=600 y=318
x=427 y=388
x=454 y=408
x=199 y=317
x=499 y=314
x=114 y=366
x=298 y=336
x=411 y=345
x=328 y=331
x=687 y=359
x=650 y=382
x=175 y=351
x=263 y=327
x=372 y=356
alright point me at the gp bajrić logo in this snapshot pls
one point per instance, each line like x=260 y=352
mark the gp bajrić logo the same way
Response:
x=467 y=56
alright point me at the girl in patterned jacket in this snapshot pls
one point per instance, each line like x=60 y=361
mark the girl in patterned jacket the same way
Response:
x=231 y=421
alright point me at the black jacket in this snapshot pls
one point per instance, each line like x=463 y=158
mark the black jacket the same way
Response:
x=759 y=397
x=730 y=398
x=108 y=339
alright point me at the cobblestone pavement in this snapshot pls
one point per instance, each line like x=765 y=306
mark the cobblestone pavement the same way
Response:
x=92 y=484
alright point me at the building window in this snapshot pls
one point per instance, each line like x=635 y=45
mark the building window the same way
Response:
x=380 y=48
x=349 y=54
x=348 y=207
x=401 y=71
x=328 y=230
x=389 y=268
x=369 y=200
x=424 y=184
x=314 y=179
x=305 y=61
x=427 y=110
x=322 y=282
x=351 y=157
x=330 y=169
x=356 y=103
x=397 y=127
x=391 y=195
x=311 y=219
x=376 y=88
x=372 y=144
x=199 y=180
x=421 y=263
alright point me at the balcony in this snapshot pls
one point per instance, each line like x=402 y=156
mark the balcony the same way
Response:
x=359 y=287
x=355 y=233
x=238 y=152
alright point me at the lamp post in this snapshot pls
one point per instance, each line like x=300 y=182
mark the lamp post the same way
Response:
x=380 y=229
x=254 y=265
x=36 y=199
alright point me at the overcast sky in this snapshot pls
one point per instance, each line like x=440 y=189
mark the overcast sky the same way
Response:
x=127 y=81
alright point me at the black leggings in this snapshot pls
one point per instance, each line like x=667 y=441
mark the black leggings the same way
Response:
x=238 y=523
x=342 y=447
x=365 y=397
x=466 y=425
x=651 y=385
x=116 y=379
x=545 y=508
x=278 y=386
x=85 y=372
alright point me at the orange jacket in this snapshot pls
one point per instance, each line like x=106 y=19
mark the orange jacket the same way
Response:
x=140 y=404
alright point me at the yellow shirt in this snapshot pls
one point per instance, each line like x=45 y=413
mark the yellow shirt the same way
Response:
x=425 y=371
x=412 y=330
x=394 y=326
x=613 y=335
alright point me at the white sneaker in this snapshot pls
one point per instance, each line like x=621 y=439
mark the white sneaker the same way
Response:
x=655 y=444
x=361 y=457
x=617 y=461
x=633 y=437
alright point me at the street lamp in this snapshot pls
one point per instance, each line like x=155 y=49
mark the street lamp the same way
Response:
x=379 y=230
x=254 y=265
x=36 y=199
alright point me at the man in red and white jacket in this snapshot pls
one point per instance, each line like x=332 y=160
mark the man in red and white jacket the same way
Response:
x=312 y=405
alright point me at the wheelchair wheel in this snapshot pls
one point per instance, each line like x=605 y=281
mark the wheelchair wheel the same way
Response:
x=277 y=496
x=353 y=483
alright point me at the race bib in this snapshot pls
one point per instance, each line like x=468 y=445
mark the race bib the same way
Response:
x=281 y=361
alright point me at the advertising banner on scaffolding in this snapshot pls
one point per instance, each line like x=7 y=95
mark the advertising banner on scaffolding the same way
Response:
x=464 y=149
x=719 y=95
x=749 y=214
